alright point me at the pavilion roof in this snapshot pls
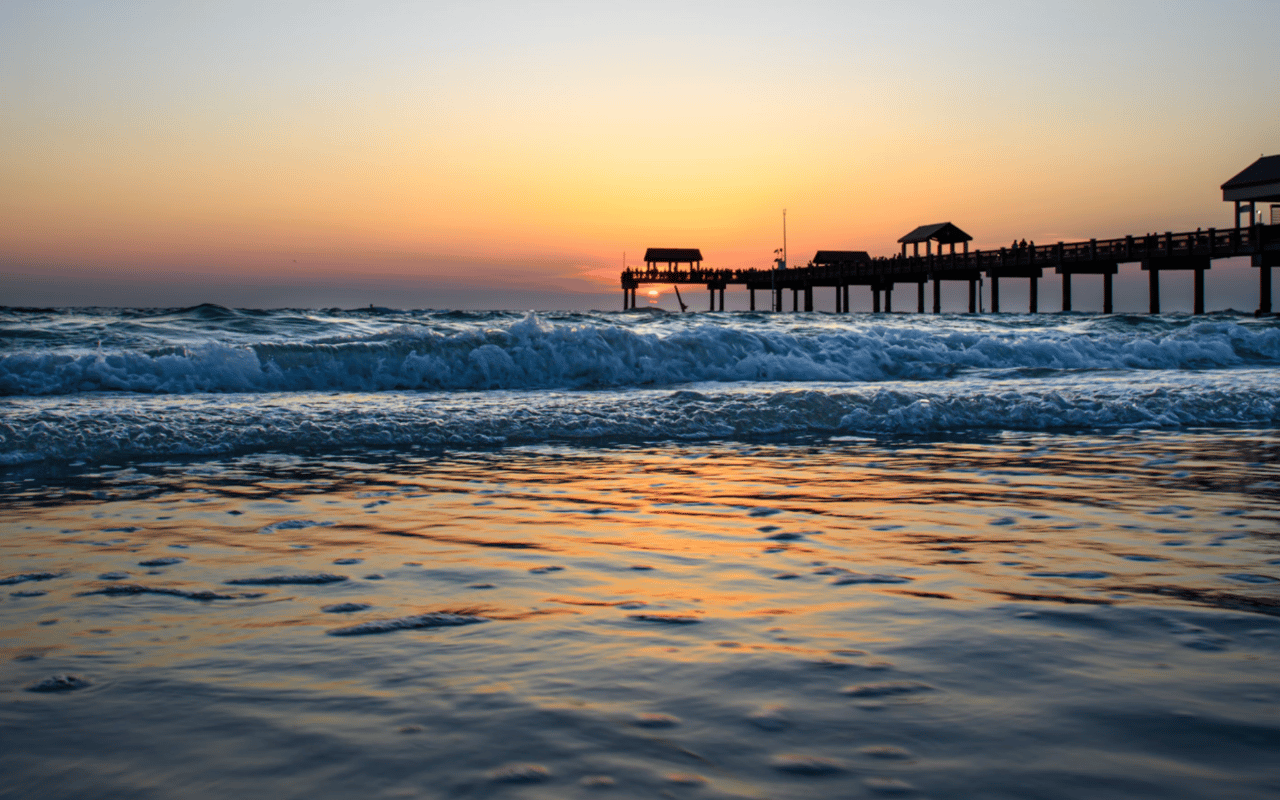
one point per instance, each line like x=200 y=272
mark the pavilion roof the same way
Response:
x=1258 y=181
x=841 y=257
x=672 y=255
x=940 y=232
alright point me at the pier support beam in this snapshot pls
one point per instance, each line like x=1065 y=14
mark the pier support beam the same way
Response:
x=1034 y=304
x=795 y=300
x=888 y=298
x=839 y=309
x=1197 y=264
x=995 y=295
x=846 y=298
x=937 y=295
x=1066 y=291
x=1264 y=262
x=875 y=299
x=808 y=298
x=973 y=295
x=713 y=300
x=1264 y=290
x=753 y=298
x=920 y=297
x=777 y=300
x=1106 y=293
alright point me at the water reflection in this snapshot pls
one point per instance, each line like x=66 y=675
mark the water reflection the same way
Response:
x=1013 y=616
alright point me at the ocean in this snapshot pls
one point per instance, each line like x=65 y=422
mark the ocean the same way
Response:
x=451 y=554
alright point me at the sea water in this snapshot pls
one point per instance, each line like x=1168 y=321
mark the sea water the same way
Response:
x=457 y=554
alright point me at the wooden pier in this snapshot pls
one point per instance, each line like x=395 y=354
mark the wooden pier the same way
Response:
x=835 y=269
x=1192 y=251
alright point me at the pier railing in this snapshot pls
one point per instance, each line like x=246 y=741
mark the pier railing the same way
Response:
x=1189 y=250
x=1210 y=243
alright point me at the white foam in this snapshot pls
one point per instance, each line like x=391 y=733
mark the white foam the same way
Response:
x=752 y=379
x=595 y=352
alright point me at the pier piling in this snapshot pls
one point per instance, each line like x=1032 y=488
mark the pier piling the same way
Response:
x=1264 y=285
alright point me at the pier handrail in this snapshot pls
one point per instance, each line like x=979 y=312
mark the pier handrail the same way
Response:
x=1210 y=242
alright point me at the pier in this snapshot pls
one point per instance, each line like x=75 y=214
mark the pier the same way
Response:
x=839 y=270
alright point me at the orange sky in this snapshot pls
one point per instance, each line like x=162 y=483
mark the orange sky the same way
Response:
x=525 y=147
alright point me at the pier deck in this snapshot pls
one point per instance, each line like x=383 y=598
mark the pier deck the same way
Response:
x=1193 y=250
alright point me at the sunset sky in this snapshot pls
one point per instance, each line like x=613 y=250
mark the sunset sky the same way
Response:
x=507 y=154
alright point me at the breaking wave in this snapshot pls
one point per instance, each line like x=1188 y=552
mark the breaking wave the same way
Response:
x=594 y=352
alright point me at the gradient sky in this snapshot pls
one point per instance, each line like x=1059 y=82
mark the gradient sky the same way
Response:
x=507 y=154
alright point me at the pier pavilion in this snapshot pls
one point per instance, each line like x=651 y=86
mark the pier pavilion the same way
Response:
x=1258 y=183
x=672 y=257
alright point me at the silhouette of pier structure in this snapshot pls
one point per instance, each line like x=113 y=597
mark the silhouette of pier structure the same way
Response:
x=1192 y=251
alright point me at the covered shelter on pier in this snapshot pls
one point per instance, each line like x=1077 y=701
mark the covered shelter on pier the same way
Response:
x=672 y=256
x=1257 y=183
x=940 y=232
x=842 y=258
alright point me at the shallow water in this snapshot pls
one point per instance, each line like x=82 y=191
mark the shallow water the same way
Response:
x=999 y=615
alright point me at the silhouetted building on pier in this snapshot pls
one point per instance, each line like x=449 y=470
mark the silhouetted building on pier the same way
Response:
x=673 y=256
x=1257 y=183
x=940 y=232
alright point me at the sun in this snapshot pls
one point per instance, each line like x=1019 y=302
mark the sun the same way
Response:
x=653 y=292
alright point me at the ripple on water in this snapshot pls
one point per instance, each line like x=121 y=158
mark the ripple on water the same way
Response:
x=345 y=608
x=125 y=589
x=882 y=785
x=864 y=577
x=652 y=720
x=770 y=718
x=283 y=580
x=167 y=561
x=432 y=619
x=27 y=577
x=886 y=689
x=59 y=683
x=803 y=764
x=666 y=619
x=1248 y=577
x=293 y=524
x=520 y=773
x=885 y=751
